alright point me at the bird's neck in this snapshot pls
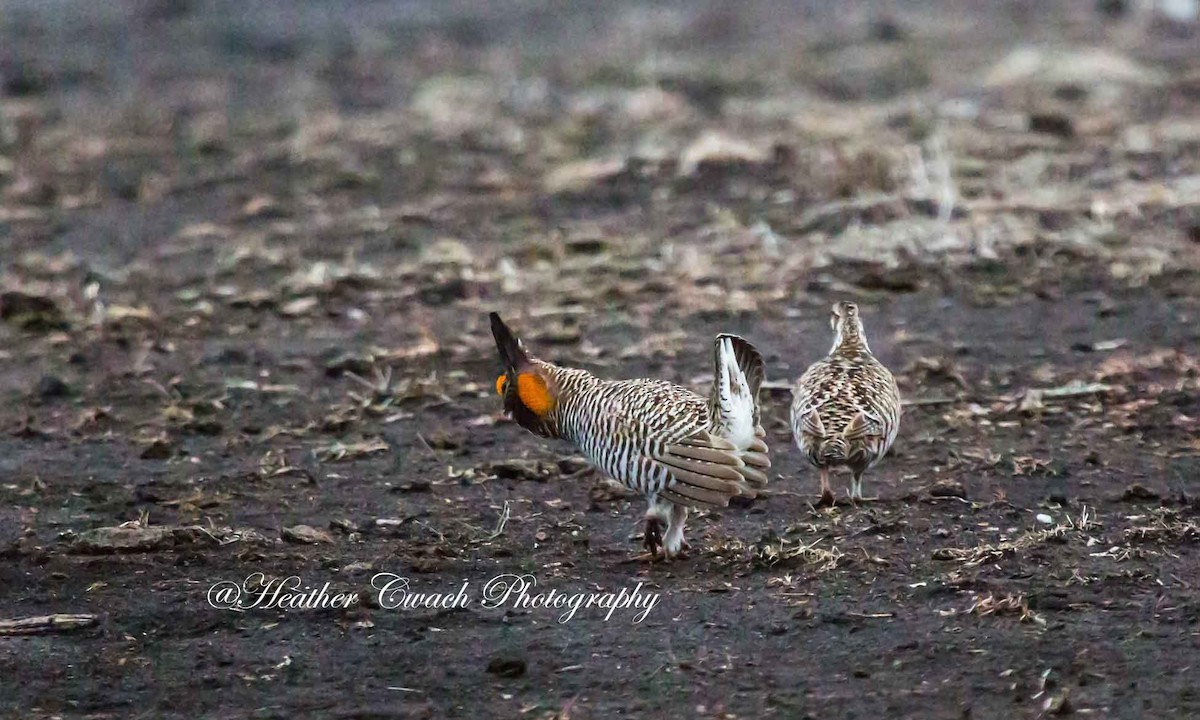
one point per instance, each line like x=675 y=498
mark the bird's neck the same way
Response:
x=850 y=342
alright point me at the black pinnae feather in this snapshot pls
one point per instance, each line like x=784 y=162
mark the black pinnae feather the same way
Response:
x=509 y=346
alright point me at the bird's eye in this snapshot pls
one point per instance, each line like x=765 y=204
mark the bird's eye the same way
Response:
x=501 y=384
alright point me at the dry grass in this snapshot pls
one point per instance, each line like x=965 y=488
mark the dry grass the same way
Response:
x=1164 y=527
x=1006 y=605
x=991 y=552
x=1083 y=527
x=770 y=553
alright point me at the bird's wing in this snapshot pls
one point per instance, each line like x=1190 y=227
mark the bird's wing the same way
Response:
x=675 y=443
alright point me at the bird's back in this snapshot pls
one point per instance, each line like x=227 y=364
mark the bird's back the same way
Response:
x=843 y=389
x=657 y=437
x=610 y=414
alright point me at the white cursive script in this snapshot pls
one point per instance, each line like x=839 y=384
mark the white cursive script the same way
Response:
x=396 y=592
x=516 y=590
x=283 y=593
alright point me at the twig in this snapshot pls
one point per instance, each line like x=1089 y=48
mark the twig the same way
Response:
x=45 y=624
x=432 y=529
x=504 y=513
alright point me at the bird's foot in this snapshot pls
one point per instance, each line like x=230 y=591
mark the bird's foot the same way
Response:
x=678 y=553
x=826 y=499
x=652 y=538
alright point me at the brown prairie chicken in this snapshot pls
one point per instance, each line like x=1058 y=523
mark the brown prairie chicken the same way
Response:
x=846 y=408
x=680 y=449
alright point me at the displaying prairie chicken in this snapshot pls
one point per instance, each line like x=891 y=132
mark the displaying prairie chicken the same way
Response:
x=680 y=449
x=846 y=408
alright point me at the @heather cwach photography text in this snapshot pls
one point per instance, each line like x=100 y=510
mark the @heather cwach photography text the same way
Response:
x=395 y=592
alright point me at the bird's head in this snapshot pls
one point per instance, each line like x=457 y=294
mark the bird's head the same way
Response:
x=527 y=386
x=847 y=327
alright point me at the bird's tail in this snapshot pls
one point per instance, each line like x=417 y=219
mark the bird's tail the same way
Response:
x=835 y=447
x=738 y=377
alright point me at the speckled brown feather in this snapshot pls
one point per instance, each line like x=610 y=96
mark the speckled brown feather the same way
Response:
x=846 y=407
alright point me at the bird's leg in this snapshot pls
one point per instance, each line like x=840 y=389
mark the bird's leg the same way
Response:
x=826 y=493
x=674 y=543
x=856 y=493
x=652 y=538
x=653 y=535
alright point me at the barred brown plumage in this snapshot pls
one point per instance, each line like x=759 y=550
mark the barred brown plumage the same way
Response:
x=678 y=448
x=846 y=407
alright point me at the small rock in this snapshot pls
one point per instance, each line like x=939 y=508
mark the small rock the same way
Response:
x=51 y=386
x=1059 y=704
x=414 y=486
x=948 y=488
x=716 y=149
x=741 y=501
x=123 y=539
x=447 y=251
x=35 y=313
x=263 y=207
x=1139 y=493
x=305 y=535
x=507 y=667
x=298 y=307
x=572 y=465
x=887 y=29
x=158 y=450
x=582 y=175
x=226 y=356
x=585 y=246
x=205 y=427
x=1056 y=219
x=357 y=363
x=358 y=567
x=445 y=292
x=517 y=469
x=1052 y=124
x=442 y=440
x=343 y=525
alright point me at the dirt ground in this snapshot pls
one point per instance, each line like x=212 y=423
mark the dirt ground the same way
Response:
x=248 y=257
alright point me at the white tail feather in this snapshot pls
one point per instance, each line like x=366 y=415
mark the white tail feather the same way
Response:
x=734 y=399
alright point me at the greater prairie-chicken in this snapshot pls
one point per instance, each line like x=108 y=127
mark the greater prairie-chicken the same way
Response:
x=846 y=407
x=678 y=448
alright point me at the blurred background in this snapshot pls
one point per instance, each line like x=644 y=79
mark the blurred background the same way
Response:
x=159 y=113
